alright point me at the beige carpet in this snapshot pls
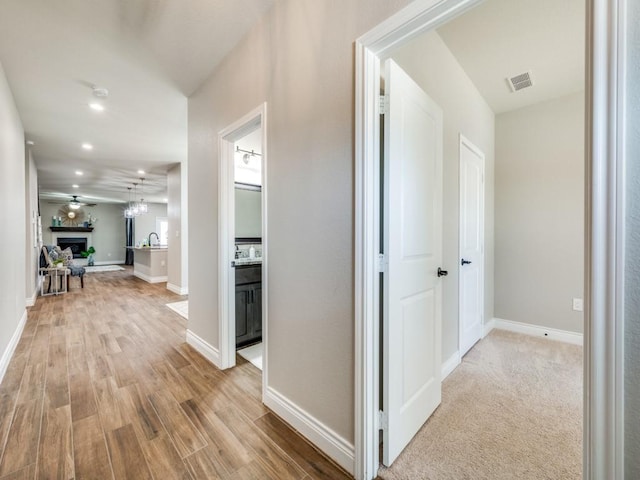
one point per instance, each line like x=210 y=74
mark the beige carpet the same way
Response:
x=511 y=410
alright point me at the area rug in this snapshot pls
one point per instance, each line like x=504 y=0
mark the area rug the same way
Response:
x=253 y=354
x=511 y=410
x=103 y=268
x=181 y=308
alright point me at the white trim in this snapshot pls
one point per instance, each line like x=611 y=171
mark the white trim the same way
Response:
x=257 y=118
x=11 y=347
x=209 y=352
x=488 y=326
x=604 y=247
x=31 y=301
x=418 y=17
x=177 y=289
x=566 y=336
x=148 y=278
x=323 y=437
x=450 y=365
x=112 y=262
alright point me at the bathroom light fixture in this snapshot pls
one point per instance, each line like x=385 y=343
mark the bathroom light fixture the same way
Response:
x=98 y=107
x=87 y=146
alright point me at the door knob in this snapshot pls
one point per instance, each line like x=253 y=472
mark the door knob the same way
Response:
x=465 y=262
x=442 y=273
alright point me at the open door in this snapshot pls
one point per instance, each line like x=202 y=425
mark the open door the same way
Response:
x=412 y=315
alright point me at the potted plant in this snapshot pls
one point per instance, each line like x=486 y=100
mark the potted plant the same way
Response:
x=88 y=254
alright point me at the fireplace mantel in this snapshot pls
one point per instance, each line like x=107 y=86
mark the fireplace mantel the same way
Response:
x=71 y=229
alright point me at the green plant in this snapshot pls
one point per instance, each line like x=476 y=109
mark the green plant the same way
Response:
x=88 y=252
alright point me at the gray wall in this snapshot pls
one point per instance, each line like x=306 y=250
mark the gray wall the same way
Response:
x=32 y=252
x=248 y=209
x=299 y=59
x=428 y=61
x=632 y=274
x=12 y=192
x=540 y=213
x=108 y=234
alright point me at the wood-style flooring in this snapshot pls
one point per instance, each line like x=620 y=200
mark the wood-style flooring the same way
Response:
x=103 y=386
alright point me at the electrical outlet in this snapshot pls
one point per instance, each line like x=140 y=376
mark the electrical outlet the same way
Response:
x=578 y=305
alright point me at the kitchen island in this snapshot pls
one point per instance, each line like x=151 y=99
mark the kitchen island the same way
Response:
x=150 y=263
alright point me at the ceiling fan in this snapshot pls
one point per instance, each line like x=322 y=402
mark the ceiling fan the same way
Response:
x=74 y=203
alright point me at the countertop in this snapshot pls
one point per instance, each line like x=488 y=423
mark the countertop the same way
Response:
x=241 y=262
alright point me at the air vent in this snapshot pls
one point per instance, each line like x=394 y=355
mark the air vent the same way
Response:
x=520 y=82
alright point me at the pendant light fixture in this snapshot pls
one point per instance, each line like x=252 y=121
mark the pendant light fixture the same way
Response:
x=142 y=206
x=134 y=206
x=128 y=212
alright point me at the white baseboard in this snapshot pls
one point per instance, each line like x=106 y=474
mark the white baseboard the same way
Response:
x=112 y=262
x=149 y=279
x=209 y=352
x=31 y=301
x=331 y=444
x=13 y=343
x=535 y=330
x=451 y=364
x=176 y=289
x=490 y=325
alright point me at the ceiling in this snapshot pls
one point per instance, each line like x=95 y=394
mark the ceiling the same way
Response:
x=503 y=38
x=149 y=54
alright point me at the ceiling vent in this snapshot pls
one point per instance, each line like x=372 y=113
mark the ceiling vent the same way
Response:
x=520 y=82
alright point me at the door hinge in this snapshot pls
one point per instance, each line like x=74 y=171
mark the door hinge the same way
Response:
x=382 y=263
x=384 y=104
x=382 y=420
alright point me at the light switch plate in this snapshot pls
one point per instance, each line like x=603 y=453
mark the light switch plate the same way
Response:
x=578 y=305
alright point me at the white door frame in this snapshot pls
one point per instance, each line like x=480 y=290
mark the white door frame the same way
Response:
x=604 y=256
x=257 y=118
x=465 y=141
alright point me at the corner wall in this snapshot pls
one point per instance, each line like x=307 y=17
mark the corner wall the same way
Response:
x=12 y=244
x=299 y=59
x=540 y=213
x=32 y=250
x=430 y=63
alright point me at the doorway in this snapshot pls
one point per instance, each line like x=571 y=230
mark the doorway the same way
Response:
x=417 y=18
x=242 y=240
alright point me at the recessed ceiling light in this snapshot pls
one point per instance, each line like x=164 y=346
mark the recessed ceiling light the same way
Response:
x=165 y=200
x=141 y=172
x=96 y=106
x=78 y=172
x=31 y=142
x=75 y=186
x=87 y=146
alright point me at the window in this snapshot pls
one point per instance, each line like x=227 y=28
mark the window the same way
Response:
x=162 y=228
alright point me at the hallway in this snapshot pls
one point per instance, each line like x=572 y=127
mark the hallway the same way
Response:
x=102 y=385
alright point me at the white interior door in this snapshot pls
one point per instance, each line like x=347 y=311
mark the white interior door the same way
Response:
x=413 y=246
x=471 y=244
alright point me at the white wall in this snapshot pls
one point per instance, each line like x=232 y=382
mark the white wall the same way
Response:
x=108 y=236
x=248 y=210
x=432 y=65
x=299 y=59
x=32 y=252
x=632 y=274
x=540 y=213
x=12 y=193
x=176 y=276
x=145 y=224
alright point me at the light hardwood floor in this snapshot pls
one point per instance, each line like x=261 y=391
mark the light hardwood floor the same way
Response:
x=102 y=385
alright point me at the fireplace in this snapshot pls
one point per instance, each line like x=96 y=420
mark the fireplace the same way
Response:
x=77 y=244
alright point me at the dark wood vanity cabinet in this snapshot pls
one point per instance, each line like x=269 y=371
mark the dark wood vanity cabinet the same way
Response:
x=248 y=304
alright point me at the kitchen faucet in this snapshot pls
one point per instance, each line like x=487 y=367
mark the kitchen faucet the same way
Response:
x=157 y=237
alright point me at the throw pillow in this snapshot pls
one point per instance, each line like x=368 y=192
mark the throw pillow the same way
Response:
x=67 y=256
